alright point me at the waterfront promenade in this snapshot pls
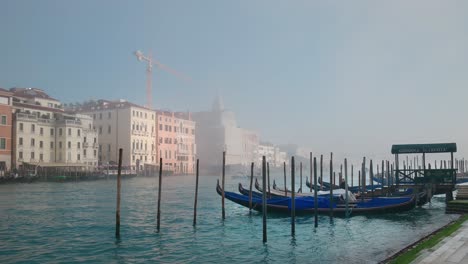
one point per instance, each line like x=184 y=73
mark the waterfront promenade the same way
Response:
x=452 y=249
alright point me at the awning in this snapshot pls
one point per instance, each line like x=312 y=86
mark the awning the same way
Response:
x=424 y=148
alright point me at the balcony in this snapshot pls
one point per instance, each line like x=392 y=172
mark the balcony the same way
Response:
x=140 y=133
x=23 y=116
x=183 y=151
x=46 y=121
x=140 y=152
x=69 y=122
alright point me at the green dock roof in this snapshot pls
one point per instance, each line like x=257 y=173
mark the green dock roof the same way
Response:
x=424 y=148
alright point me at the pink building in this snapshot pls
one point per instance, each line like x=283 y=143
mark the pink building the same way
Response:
x=176 y=141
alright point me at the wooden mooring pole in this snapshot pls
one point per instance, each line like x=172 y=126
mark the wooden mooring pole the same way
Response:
x=251 y=183
x=300 y=171
x=382 y=176
x=223 y=213
x=264 y=200
x=196 y=197
x=311 y=172
x=346 y=187
x=117 y=213
x=315 y=189
x=321 y=172
x=268 y=177
x=331 y=185
x=293 y=199
x=285 y=188
x=371 y=176
x=158 y=221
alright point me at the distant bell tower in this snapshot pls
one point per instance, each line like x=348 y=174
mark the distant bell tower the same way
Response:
x=218 y=105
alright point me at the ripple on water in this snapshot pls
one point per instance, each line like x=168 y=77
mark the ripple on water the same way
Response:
x=74 y=222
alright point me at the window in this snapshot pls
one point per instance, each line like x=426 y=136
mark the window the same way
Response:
x=41 y=144
x=20 y=154
x=84 y=153
x=100 y=130
x=32 y=155
x=33 y=128
x=41 y=131
x=78 y=157
x=95 y=140
x=41 y=157
x=2 y=143
x=69 y=144
x=21 y=126
x=51 y=145
x=84 y=139
x=69 y=131
x=109 y=129
x=51 y=131
x=60 y=131
x=95 y=153
x=4 y=120
x=20 y=141
x=60 y=144
x=78 y=145
x=78 y=132
x=32 y=142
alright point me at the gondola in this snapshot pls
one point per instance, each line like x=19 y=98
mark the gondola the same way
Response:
x=340 y=193
x=353 y=189
x=278 y=193
x=306 y=204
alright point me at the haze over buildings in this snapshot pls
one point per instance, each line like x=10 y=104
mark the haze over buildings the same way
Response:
x=352 y=77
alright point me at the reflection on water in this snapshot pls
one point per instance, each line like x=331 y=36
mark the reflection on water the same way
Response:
x=75 y=222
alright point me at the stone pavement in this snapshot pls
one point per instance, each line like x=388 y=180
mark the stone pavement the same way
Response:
x=452 y=249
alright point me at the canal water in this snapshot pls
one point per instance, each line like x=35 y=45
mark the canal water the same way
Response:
x=74 y=222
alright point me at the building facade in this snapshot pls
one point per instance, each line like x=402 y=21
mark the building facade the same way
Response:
x=186 y=145
x=44 y=133
x=217 y=131
x=272 y=153
x=6 y=122
x=176 y=141
x=121 y=124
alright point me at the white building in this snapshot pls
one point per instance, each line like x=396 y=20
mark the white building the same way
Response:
x=44 y=133
x=121 y=124
x=272 y=154
x=217 y=131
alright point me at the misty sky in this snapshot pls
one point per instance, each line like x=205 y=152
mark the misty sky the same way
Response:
x=352 y=77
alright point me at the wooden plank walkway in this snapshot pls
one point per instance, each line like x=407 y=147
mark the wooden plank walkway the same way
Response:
x=452 y=249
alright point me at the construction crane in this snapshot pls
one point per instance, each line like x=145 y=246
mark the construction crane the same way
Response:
x=149 y=73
